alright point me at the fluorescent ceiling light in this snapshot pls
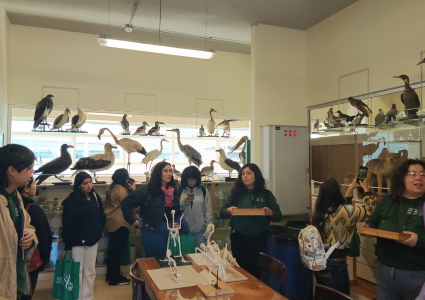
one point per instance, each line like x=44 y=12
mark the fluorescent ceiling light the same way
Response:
x=155 y=48
x=106 y=114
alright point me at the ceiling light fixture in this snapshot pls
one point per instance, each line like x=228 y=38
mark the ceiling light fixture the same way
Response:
x=155 y=48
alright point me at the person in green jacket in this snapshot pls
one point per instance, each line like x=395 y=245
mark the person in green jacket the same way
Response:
x=401 y=269
x=249 y=233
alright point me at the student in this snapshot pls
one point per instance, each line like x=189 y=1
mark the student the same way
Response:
x=249 y=234
x=42 y=227
x=83 y=222
x=17 y=236
x=154 y=199
x=196 y=209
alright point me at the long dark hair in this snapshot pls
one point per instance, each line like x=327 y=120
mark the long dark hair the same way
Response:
x=79 y=178
x=118 y=178
x=240 y=188
x=190 y=172
x=327 y=202
x=17 y=156
x=155 y=181
x=397 y=181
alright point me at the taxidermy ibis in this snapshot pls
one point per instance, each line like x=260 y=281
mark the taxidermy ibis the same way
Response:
x=141 y=129
x=422 y=62
x=78 y=120
x=316 y=125
x=346 y=117
x=409 y=98
x=127 y=144
x=156 y=128
x=368 y=150
x=208 y=171
x=193 y=156
x=201 y=130
x=61 y=120
x=176 y=173
x=152 y=155
x=211 y=123
x=125 y=124
x=379 y=118
x=56 y=166
x=97 y=162
x=226 y=163
x=226 y=125
x=242 y=154
x=43 y=110
x=363 y=108
x=391 y=114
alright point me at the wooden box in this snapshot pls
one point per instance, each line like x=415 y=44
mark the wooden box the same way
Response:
x=248 y=212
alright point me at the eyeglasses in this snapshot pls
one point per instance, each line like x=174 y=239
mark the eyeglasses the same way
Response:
x=413 y=174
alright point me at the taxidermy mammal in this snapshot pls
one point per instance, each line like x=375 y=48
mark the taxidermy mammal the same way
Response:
x=382 y=169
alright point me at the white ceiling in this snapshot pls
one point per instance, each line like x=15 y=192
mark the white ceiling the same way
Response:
x=185 y=20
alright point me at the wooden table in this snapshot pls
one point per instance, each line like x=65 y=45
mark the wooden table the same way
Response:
x=251 y=289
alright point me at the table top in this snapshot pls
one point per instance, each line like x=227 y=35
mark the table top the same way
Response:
x=251 y=289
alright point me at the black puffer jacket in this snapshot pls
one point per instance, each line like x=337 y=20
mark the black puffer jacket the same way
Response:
x=152 y=207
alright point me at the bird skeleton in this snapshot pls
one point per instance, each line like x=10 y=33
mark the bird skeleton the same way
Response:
x=174 y=235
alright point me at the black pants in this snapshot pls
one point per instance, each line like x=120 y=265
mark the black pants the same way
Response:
x=117 y=243
x=245 y=249
x=34 y=279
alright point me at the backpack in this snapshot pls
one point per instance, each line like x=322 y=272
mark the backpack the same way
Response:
x=312 y=250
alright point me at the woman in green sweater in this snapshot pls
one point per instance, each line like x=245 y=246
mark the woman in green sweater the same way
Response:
x=249 y=234
x=401 y=270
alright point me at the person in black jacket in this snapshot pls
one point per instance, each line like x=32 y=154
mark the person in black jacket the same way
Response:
x=154 y=199
x=83 y=222
x=42 y=230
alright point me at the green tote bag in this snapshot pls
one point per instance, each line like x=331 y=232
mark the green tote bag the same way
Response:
x=66 y=279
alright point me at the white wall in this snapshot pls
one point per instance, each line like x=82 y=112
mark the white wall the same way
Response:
x=277 y=79
x=4 y=54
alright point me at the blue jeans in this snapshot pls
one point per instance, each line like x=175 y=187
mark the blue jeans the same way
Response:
x=396 y=284
x=335 y=276
x=155 y=242
x=199 y=239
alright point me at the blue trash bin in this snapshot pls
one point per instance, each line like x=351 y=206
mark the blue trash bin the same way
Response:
x=298 y=278
x=274 y=229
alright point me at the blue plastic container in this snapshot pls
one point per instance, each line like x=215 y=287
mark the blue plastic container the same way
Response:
x=274 y=229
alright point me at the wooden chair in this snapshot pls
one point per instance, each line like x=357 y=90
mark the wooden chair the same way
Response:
x=138 y=284
x=325 y=293
x=273 y=266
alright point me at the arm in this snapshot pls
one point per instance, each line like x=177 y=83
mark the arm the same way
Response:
x=365 y=211
x=29 y=238
x=182 y=200
x=223 y=210
x=133 y=200
x=44 y=234
x=272 y=205
x=101 y=211
x=208 y=209
x=67 y=226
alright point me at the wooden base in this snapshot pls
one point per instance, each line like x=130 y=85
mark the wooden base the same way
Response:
x=383 y=233
x=248 y=212
x=209 y=291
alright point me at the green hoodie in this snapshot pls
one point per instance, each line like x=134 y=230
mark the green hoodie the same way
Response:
x=400 y=215
x=253 y=225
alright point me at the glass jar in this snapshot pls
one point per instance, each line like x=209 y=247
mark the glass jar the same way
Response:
x=55 y=202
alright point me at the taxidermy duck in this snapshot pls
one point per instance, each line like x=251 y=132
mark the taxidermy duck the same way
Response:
x=96 y=163
x=422 y=62
x=379 y=118
x=226 y=125
x=409 y=98
x=391 y=114
x=43 y=110
x=201 y=130
x=226 y=163
x=78 y=120
x=242 y=154
x=56 y=166
x=369 y=150
x=152 y=155
x=125 y=124
x=346 y=117
x=193 y=156
x=141 y=129
x=176 y=173
x=127 y=144
x=208 y=171
x=211 y=123
x=61 y=120
x=363 y=108
x=156 y=128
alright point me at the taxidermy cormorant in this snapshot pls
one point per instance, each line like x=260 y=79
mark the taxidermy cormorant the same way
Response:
x=156 y=128
x=78 y=120
x=422 y=62
x=56 y=166
x=409 y=98
x=125 y=124
x=141 y=129
x=346 y=117
x=379 y=118
x=391 y=114
x=97 y=162
x=363 y=108
x=61 y=120
x=42 y=110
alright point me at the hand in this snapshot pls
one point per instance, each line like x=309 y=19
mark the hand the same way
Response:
x=137 y=224
x=365 y=185
x=27 y=240
x=269 y=212
x=133 y=186
x=230 y=209
x=352 y=186
x=176 y=225
x=190 y=198
x=365 y=235
x=411 y=241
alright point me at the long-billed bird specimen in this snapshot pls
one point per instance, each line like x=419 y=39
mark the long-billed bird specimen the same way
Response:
x=55 y=166
x=421 y=62
x=242 y=154
x=61 y=120
x=152 y=155
x=193 y=156
x=42 y=111
x=409 y=98
x=226 y=163
x=369 y=149
x=156 y=128
x=97 y=162
x=363 y=108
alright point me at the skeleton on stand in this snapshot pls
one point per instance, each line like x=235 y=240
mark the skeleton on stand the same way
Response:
x=175 y=236
x=175 y=275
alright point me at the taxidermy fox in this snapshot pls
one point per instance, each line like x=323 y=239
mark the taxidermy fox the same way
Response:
x=383 y=169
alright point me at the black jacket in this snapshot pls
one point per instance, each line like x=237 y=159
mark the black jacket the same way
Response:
x=152 y=207
x=42 y=230
x=83 y=221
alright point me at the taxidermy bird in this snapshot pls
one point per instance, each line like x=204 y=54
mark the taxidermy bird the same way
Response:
x=316 y=125
x=97 y=162
x=127 y=144
x=242 y=154
x=368 y=150
x=176 y=173
x=404 y=156
x=363 y=108
x=226 y=163
x=201 y=130
x=422 y=62
x=358 y=119
x=125 y=124
x=409 y=98
x=141 y=129
x=346 y=117
x=152 y=155
x=379 y=118
x=226 y=125
x=61 y=120
x=43 y=110
x=56 y=166
x=211 y=123
x=156 y=128
x=208 y=171
x=78 y=120
x=332 y=119
x=391 y=114
x=193 y=156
